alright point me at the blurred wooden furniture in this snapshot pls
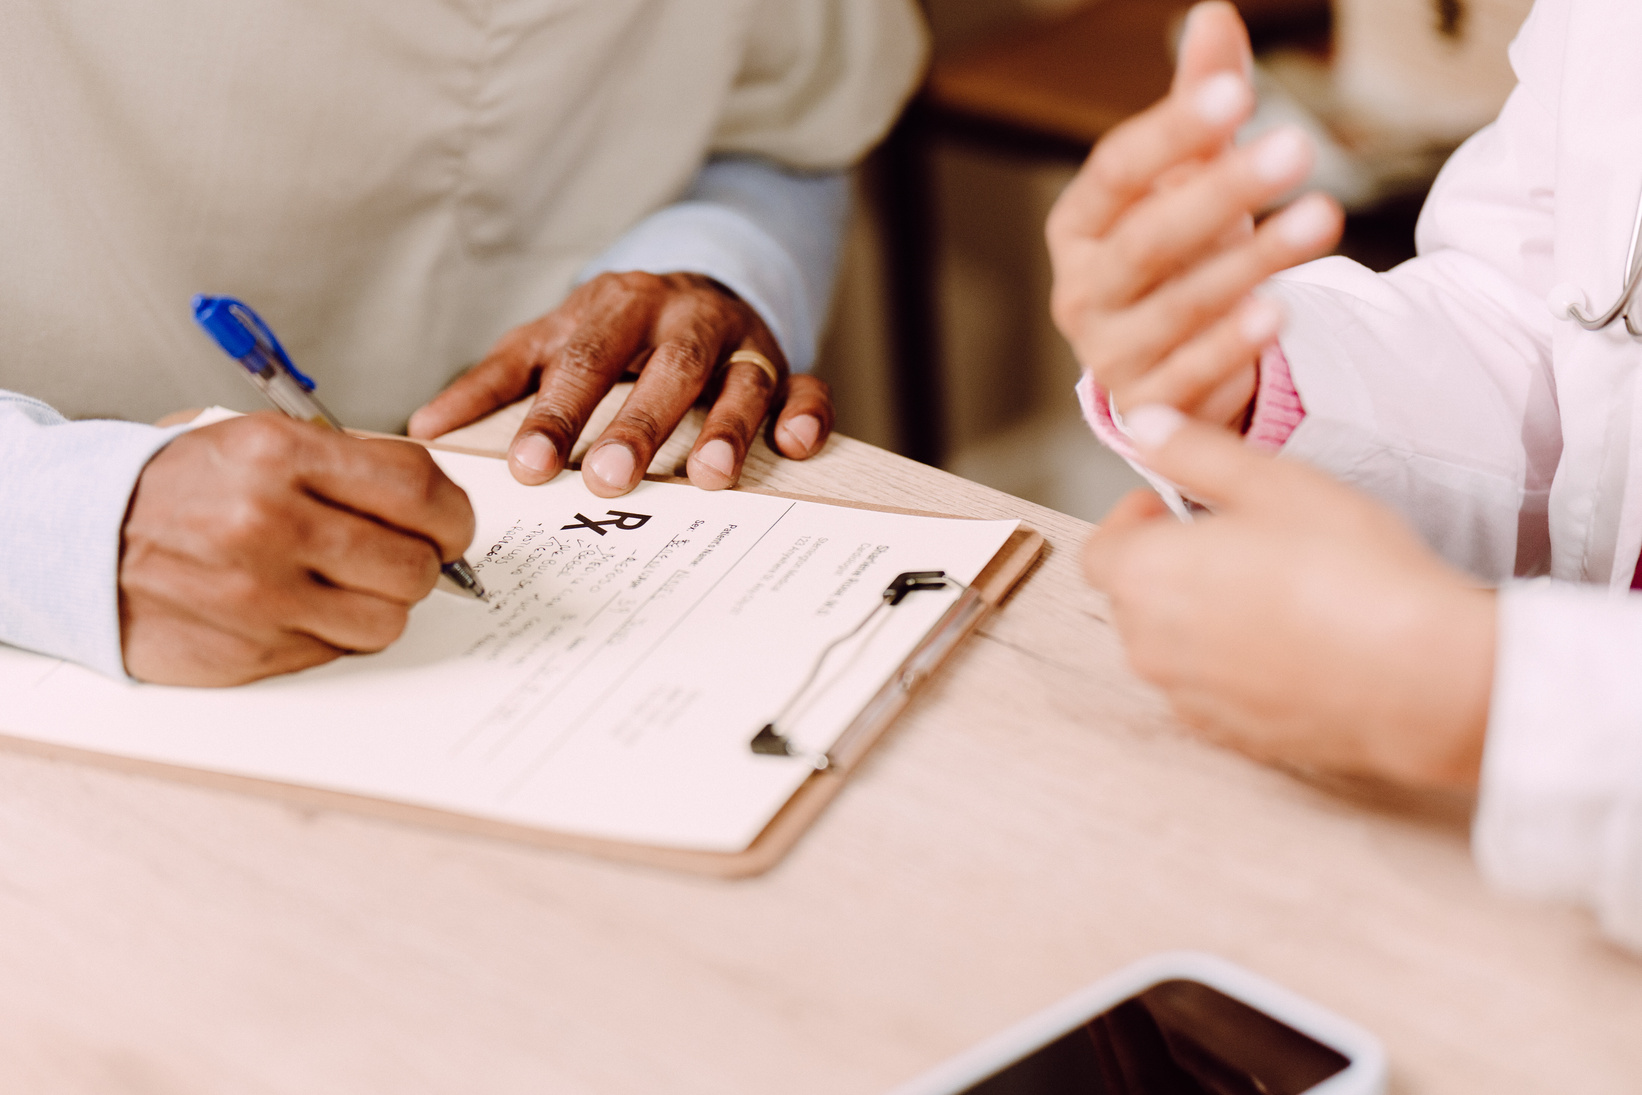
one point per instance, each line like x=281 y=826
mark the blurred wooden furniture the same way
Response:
x=1034 y=822
x=1051 y=89
x=1071 y=79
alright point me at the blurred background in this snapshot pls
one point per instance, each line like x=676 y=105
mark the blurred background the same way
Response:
x=940 y=345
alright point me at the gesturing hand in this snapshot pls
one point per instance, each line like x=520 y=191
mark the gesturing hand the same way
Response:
x=1154 y=247
x=677 y=331
x=1301 y=622
x=263 y=545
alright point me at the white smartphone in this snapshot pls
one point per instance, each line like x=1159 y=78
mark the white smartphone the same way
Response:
x=1181 y=1023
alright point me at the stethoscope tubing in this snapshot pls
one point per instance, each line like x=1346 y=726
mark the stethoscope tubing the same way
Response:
x=1622 y=306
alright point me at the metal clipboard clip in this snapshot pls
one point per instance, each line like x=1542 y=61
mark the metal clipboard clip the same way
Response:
x=948 y=631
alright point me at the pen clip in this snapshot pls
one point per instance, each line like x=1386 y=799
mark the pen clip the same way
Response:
x=239 y=330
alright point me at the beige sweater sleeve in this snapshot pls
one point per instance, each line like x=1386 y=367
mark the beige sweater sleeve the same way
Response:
x=822 y=81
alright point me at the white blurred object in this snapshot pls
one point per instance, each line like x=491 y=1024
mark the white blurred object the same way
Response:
x=1407 y=82
x=1294 y=89
x=1435 y=69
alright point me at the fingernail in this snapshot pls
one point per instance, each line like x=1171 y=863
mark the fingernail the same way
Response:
x=802 y=432
x=1150 y=426
x=1193 y=14
x=1306 y=223
x=612 y=465
x=1260 y=321
x=1283 y=156
x=718 y=455
x=1221 y=98
x=536 y=453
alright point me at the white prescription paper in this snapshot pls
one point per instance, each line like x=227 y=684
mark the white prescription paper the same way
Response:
x=631 y=650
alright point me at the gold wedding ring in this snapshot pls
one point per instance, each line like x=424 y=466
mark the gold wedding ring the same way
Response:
x=753 y=357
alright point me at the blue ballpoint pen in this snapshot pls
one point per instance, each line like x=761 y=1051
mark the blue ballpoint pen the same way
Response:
x=244 y=337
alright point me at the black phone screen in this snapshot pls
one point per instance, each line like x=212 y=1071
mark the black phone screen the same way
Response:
x=1176 y=1038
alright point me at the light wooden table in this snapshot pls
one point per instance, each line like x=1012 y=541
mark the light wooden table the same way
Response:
x=1034 y=822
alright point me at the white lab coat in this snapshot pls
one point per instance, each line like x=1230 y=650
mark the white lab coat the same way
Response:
x=1454 y=389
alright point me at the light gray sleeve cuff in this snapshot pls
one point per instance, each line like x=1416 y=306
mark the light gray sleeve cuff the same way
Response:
x=64 y=490
x=770 y=235
x=1560 y=809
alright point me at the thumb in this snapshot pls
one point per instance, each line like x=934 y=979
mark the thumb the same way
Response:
x=1116 y=538
x=1214 y=40
x=1134 y=509
x=1207 y=463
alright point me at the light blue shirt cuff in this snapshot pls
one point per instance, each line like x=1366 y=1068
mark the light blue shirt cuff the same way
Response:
x=64 y=490
x=769 y=235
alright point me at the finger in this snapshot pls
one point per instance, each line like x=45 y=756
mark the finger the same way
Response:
x=176 y=650
x=394 y=483
x=1119 y=537
x=509 y=372
x=230 y=597
x=575 y=379
x=674 y=376
x=185 y=623
x=1200 y=369
x=741 y=407
x=1210 y=465
x=1108 y=552
x=1232 y=403
x=806 y=419
x=1128 y=161
x=1174 y=229
x=694 y=332
x=354 y=553
x=1134 y=509
x=1214 y=40
x=356 y=623
x=1208 y=712
x=1132 y=341
x=268 y=623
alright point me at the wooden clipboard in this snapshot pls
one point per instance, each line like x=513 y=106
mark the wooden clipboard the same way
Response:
x=990 y=588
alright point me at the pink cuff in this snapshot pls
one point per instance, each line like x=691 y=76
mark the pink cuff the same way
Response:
x=1277 y=408
x=1097 y=411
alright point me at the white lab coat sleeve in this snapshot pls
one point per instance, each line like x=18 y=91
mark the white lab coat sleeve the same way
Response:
x=1560 y=810
x=1430 y=386
x=64 y=489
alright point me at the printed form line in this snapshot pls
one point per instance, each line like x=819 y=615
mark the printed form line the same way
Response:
x=534 y=766
x=523 y=688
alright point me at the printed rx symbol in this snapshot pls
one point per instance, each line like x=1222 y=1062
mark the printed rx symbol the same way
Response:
x=626 y=522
